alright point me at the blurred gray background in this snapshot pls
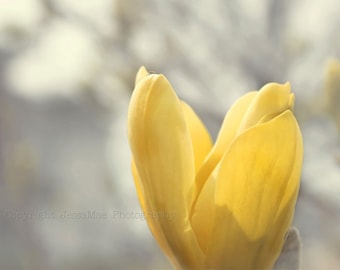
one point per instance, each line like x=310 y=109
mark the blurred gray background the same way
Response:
x=67 y=71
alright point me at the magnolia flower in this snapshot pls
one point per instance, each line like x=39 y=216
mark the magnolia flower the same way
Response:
x=226 y=205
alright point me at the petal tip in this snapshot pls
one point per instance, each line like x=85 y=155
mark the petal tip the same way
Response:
x=272 y=86
x=141 y=74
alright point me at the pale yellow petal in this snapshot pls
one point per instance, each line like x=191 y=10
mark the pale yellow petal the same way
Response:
x=286 y=208
x=138 y=186
x=256 y=191
x=141 y=74
x=200 y=137
x=203 y=212
x=291 y=102
x=155 y=227
x=271 y=100
x=161 y=146
x=227 y=133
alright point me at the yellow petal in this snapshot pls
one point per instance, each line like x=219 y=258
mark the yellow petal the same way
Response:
x=204 y=212
x=141 y=74
x=138 y=185
x=200 y=137
x=271 y=100
x=286 y=208
x=255 y=193
x=155 y=227
x=227 y=133
x=161 y=146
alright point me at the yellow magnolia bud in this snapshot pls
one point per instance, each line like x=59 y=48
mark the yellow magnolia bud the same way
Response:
x=221 y=206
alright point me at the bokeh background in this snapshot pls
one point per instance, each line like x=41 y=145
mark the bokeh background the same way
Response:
x=67 y=71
